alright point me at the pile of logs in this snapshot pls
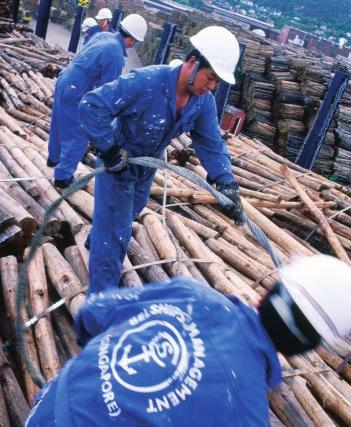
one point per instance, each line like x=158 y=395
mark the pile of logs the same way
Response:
x=300 y=212
x=280 y=89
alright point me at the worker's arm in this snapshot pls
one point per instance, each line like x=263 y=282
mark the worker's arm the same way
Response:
x=209 y=145
x=99 y=107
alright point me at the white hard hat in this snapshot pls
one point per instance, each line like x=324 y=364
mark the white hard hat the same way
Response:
x=135 y=25
x=221 y=49
x=88 y=23
x=104 y=13
x=320 y=285
x=175 y=62
x=259 y=32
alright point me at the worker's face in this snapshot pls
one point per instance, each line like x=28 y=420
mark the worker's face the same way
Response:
x=103 y=23
x=129 y=42
x=205 y=79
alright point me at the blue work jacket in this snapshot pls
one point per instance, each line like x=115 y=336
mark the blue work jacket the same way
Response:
x=172 y=354
x=144 y=104
x=95 y=30
x=97 y=63
x=90 y=33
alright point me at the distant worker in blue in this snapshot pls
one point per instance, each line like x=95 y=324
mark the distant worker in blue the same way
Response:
x=104 y=18
x=151 y=106
x=101 y=25
x=181 y=354
x=96 y=64
x=89 y=28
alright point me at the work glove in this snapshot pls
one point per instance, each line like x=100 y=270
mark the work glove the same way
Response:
x=231 y=190
x=115 y=159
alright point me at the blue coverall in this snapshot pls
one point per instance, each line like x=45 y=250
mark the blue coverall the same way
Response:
x=95 y=30
x=97 y=63
x=144 y=103
x=174 y=354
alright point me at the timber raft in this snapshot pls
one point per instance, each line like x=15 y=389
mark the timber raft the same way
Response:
x=300 y=211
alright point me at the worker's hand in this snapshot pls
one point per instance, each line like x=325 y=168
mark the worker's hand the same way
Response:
x=231 y=190
x=115 y=159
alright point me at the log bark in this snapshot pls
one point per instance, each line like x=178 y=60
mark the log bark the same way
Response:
x=9 y=122
x=333 y=240
x=164 y=246
x=17 y=407
x=4 y=418
x=80 y=239
x=63 y=278
x=248 y=266
x=43 y=331
x=130 y=278
x=64 y=330
x=138 y=256
x=335 y=362
x=197 y=249
x=23 y=219
x=9 y=277
x=331 y=398
x=288 y=409
x=74 y=257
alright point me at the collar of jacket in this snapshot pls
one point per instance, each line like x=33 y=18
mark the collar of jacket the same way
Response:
x=121 y=42
x=194 y=100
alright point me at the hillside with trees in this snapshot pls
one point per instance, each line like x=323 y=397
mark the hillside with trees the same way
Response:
x=330 y=19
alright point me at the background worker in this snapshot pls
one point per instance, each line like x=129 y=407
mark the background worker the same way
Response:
x=97 y=63
x=104 y=18
x=152 y=105
x=182 y=354
x=89 y=28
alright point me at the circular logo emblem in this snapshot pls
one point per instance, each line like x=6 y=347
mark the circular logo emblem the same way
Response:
x=148 y=358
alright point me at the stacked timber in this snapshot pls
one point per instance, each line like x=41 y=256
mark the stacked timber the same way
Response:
x=190 y=236
x=193 y=238
x=257 y=101
x=278 y=121
x=342 y=165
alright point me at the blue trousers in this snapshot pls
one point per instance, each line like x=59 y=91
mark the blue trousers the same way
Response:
x=67 y=143
x=119 y=198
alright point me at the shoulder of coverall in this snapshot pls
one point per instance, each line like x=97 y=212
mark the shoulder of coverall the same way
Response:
x=102 y=37
x=163 y=78
x=94 y=30
x=103 y=309
x=106 y=44
x=152 y=74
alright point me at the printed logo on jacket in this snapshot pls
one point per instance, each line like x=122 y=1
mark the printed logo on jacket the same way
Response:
x=159 y=358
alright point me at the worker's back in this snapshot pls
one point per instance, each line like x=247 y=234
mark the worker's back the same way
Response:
x=97 y=63
x=178 y=354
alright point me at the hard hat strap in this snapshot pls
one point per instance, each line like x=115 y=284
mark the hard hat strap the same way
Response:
x=193 y=75
x=318 y=308
x=283 y=309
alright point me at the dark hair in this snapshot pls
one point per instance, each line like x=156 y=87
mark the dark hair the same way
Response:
x=283 y=339
x=124 y=33
x=202 y=60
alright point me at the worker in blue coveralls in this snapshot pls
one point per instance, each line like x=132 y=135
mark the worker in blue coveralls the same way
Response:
x=181 y=354
x=104 y=18
x=102 y=24
x=89 y=28
x=97 y=63
x=151 y=106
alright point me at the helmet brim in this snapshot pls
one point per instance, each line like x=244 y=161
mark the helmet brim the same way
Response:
x=224 y=75
x=139 y=39
x=309 y=310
